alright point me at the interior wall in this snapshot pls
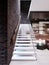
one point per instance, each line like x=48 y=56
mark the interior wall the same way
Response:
x=9 y=23
x=38 y=15
x=13 y=23
x=39 y=5
x=3 y=32
x=25 y=4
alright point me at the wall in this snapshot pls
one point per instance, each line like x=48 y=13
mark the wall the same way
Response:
x=39 y=5
x=9 y=24
x=38 y=16
x=13 y=23
x=3 y=32
x=25 y=4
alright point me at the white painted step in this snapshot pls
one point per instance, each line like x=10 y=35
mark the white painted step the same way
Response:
x=16 y=57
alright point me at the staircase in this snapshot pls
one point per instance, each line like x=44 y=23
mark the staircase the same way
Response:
x=24 y=48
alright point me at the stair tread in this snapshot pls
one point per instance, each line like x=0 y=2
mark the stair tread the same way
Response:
x=23 y=52
x=23 y=41
x=23 y=47
x=15 y=57
x=23 y=44
x=23 y=38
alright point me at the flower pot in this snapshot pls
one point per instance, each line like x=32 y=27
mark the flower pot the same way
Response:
x=47 y=44
x=41 y=44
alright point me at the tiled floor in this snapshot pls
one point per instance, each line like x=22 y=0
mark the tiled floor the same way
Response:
x=24 y=43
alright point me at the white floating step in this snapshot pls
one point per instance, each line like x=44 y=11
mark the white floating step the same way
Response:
x=23 y=38
x=24 y=45
x=23 y=34
x=16 y=57
x=23 y=48
x=24 y=52
x=28 y=42
x=23 y=41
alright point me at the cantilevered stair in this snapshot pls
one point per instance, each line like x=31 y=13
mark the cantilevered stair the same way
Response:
x=24 y=48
